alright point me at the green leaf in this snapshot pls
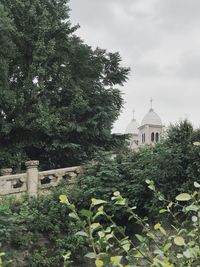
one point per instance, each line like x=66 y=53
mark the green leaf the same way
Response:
x=101 y=208
x=101 y=234
x=115 y=260
x=158 y=252
x=167 y=247
x=86 y=213
x=163 y=211
x=67 y=255
x=108 y=230
x=140 y=238
x=152 y=187
x=169 y=205
x=121 y=202
x=196 y=143
x=109 y=236
x=98 y=214
x=163 y=231
x=126 y=247
x=133 y=208
x=97 y=201
x=63 y=199
x=148 y=181
x=179 y=241
x=157 y=226
x=82 y=233
x=192 y=208
x=179 y=256
x=197 y=185
x=94 y=226
x=189 y=253
x=183 y=197
x=117 y=193
x=73 y=215
x=151 y=235
x=194 y=218
x=90 y=255
x=98 y=263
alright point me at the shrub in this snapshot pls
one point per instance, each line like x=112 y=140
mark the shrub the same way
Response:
x=37 y=233
x=177 y=244
x=173 y=164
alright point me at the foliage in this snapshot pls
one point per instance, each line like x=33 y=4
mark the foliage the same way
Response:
x=45 y=231
x=58 y=96
x=101 y=177
x=177 y=244
x=173 y=164
x=3 y=262
x=37 y=233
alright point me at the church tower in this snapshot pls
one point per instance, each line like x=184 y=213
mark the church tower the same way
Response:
x=132 y=130
x=151 y=128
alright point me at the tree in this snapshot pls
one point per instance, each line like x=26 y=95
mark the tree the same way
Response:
x=173 y=164
x=58 y=96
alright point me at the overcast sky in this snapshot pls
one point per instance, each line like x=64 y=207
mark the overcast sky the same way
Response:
x=160 y=41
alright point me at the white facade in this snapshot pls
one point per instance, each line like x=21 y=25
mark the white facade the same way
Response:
x=148 y=133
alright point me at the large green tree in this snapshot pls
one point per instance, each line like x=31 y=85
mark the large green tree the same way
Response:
x=59 y=98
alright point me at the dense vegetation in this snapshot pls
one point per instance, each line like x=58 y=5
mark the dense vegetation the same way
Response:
x=45 y=231
x=58 y=97
x=38 y=233
x=173 y=164
x=168 y=245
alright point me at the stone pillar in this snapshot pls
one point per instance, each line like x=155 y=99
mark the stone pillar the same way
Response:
x=32 y=177
x=6 y=171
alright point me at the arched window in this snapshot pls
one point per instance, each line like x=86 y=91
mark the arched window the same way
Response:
x=152 y=137
x=143 y=138
x=157 y=137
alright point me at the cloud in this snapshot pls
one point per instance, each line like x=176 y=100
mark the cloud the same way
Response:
x=177 y=15
x=120 y=21
x=147 y=69
x=190 y=65
x=160 y=40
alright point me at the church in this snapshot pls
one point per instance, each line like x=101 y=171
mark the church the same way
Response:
x=148 y=132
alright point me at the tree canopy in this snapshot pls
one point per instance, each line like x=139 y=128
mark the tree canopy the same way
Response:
x=173 y=164
x=59 y=97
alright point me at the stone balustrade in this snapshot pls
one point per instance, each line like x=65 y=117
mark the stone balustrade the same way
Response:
x=34 y=182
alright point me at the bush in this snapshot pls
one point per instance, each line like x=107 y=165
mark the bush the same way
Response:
x=37 y=233
x=177 y=244
x=173 y=164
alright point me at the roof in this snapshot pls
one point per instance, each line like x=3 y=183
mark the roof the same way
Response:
x=132 y=127
x=151 y=118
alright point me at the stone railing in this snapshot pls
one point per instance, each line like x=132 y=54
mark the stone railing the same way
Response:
x=34 y=182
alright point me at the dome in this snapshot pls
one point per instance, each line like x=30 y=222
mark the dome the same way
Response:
x=132 y=127
x=151 y=118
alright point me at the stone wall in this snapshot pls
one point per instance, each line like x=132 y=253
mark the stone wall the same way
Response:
x=34 y=182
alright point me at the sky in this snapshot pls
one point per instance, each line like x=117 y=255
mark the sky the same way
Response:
x=160 y=41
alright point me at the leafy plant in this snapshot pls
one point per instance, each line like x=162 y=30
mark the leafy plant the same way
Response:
x=173 y=165
x=37 y=233
x=177 y=244
x=3 y=262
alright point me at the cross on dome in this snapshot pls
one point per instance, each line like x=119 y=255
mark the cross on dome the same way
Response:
x=151 y=101
x=133 y=114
